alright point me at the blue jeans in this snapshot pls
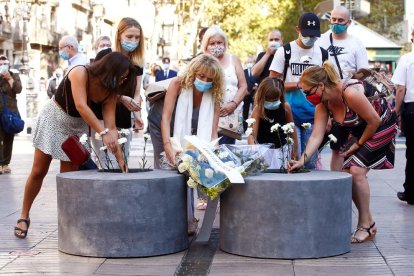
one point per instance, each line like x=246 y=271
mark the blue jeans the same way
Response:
x=303 y=137
x=227 y=140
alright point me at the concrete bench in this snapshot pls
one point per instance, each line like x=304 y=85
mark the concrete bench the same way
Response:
x=122 y=215
x=288 y=216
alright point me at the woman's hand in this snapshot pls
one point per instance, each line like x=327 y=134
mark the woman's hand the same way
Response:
x=130 y=103
x=227 y=109
x=138 y=123
x=294 y=165
x=350 y=151
x=170 y=153
x=110 y=140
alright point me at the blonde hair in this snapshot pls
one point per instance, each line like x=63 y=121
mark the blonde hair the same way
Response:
x=137 y=56
x=212 y=31
x=269 y=87
x=315 y=74
x=211 y=66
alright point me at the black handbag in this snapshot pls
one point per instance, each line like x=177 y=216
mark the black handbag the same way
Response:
x=10 y=121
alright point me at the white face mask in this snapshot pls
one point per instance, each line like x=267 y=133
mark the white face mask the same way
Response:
x=216 y=50
x=166 y=66
x=274 y=44
x=4 y=68
x=249 y=65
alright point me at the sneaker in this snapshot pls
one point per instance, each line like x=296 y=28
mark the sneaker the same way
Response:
x=6 y=169
x=192 y=226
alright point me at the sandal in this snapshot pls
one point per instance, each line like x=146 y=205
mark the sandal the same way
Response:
x=370 y=230
x=23 y=233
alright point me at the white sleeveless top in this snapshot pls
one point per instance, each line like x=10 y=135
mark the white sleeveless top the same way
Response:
x=231 y=82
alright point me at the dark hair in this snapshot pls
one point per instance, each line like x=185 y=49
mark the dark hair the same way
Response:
x=109 y=68
x=102 y=53
x=269 y=87
x=165 y=59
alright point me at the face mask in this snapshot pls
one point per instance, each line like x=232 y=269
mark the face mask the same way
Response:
x=166 y=66
x=58 y=75
x=4 y=68
x=315 y=98
x=271 y=105
x=129 y=46
x=103 y=48
x=338 y=28
x=274 y=44
x=202 y=86
x=307 y=40
x=216 y=50
x=249 y=65
x=63 y=55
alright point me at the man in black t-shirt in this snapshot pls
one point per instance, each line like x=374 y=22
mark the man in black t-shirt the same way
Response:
x=264 y=59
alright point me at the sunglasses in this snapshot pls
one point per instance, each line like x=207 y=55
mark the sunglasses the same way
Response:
x=309 y=91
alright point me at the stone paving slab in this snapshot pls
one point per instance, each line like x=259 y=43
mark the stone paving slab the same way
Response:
x=391 y=253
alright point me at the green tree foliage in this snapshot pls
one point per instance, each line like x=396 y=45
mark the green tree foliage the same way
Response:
x=247 y=22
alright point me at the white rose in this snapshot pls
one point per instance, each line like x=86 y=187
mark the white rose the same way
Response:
x=275 y=127
x=250 y=121
x=182 y=167
x=103 y=148
x=122 y=140
x=147 y=136
x=306 y=126
x=332 y=138
x=124 y=131
x=209 y=173
x=83 y=139
x=249 y=131
x=289 y=141
x=223 y=154
x=191 y=183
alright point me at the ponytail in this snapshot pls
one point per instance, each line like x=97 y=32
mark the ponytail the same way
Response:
x=331 y=73
x=316 y=74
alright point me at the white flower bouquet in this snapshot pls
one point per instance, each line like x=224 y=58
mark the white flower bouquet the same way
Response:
x=209 y=174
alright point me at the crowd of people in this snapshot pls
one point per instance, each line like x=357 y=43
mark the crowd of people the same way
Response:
x=308 y=81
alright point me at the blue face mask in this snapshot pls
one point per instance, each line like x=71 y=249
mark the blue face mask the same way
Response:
x=271 y=105
x=129 y=46
x=308 y=41
x=202 y=86
x=338 y=28
x=63 y=55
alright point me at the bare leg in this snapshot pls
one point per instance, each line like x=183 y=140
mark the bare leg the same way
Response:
x=40 y=167
x=337 y=161
x=361 y=198
x=67 y=166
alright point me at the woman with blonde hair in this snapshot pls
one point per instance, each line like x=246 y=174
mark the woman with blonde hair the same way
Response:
x=129 y=40
x=195 y=97
x=215 y=43
x=372 y=123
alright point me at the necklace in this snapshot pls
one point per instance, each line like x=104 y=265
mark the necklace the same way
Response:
x=271 y=120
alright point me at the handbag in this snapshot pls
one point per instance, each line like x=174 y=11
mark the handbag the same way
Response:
x=157 y=90
x=76 y=152
x=232 y=125
x=10 y=121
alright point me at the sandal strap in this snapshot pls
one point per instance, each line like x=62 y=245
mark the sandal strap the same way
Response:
x=366 y=229
x=27 y=221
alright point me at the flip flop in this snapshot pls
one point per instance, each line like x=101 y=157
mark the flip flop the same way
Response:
x=23 y=233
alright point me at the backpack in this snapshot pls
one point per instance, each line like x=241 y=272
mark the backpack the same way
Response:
x=376 y=84
x=288 y=54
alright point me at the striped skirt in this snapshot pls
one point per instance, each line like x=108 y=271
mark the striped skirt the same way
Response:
x=377 y=153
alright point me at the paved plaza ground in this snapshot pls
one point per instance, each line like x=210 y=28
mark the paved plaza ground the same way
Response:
x=390 y=253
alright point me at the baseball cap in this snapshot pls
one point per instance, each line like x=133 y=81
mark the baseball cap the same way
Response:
x=309 y=25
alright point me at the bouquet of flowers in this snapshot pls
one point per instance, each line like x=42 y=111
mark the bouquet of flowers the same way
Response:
x=214 y=169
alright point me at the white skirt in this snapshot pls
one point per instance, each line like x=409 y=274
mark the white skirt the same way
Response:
x=53 y=127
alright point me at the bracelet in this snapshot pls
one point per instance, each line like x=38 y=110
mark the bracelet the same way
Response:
x=232 y=101
x=103 y=132
x=358 y=143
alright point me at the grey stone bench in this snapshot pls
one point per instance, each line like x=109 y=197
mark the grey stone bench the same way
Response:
x=122 y=215
x=288 y=216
